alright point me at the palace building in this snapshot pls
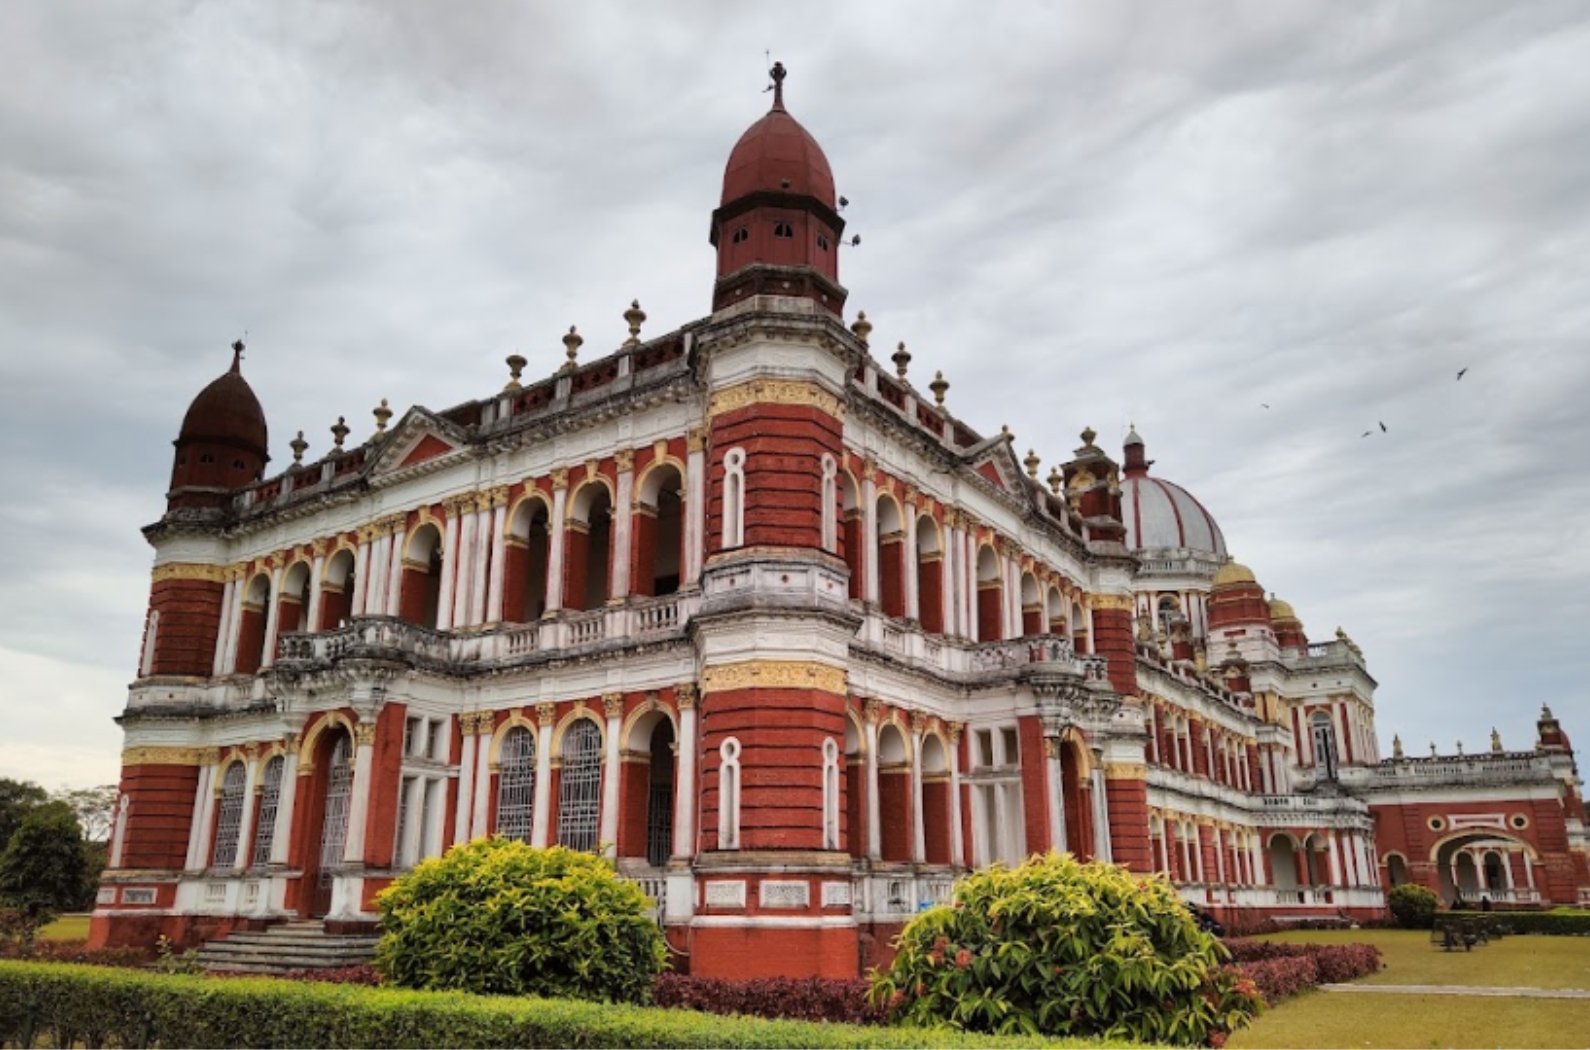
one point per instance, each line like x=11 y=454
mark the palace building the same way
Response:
x=758 y=616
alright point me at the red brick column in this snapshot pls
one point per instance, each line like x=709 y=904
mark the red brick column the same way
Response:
x=576 y=554
x=188 y=599
x=1126 y=797
x=1112 y=639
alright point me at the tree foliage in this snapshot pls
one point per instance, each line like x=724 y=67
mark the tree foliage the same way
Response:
x=1055 y=947
x=44 y=869
x=95 y=808
x=500 y=917
x=18 y=798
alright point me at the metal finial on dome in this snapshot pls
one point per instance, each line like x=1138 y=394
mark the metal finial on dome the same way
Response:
x=339 y=432
x=940 y=386
x=634 y=317
x=237 y=355
x=778 y=73
x=1031 y=463
x=1460 y=747
x=516 y=363
x=382 y=414
x=299 y=446
x=1056 y=479
x=571 y=346
x=901 y=358
x=862 y=327
x=1396 y=747
x=1496 y=739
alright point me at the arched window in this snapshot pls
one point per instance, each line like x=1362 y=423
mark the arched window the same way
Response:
x=658 y=531
x=990 y=596
x=420 y=592
x=251 y=625
x=336 y=591
x=269 y=801
x=230 y=819
x=516 y=784
x=929 y=575
x=830 y=503
x=783 y=231
x=528 y=548
x=729 y=794
x=891 y=556
x=733 y=498
x=830 y=794
x=1324 y=735
x=741 y=235
x=580 y=793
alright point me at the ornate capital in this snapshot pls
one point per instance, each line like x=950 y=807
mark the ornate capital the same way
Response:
x=560 y=478
x=545 y=713
x=624 y=459
x=1051 y=747
x=685 y=693
x=613 y=705
x=290 y=742
x=956 y=729
x=320 y=548
x=364 y=734
x=912 y=494
x=277 y=559
x=872 y=709
x=775 y=392
x=919 y=721
x=696 y=439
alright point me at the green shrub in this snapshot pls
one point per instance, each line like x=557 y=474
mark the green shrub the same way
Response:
x=500 y=917
x=96 y=1006
x=1412 y=906
x=1556 y=923
x=1055 y=947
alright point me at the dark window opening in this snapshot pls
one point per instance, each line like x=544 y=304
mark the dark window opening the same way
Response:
x=822 y=243
x=206 y=458
x=783 y=230
x=237 y=464
x=741 y=235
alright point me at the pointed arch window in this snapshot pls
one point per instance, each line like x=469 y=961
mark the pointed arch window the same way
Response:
x=729 y=794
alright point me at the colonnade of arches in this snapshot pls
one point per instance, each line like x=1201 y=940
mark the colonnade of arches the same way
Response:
x=1187 y=745
x=435 y=581
x=913 y=566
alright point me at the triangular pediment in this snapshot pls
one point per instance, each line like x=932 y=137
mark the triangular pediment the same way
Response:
x=996 y=461
x=421 y=438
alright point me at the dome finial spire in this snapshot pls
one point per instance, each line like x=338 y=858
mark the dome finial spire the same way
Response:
x=778 y=74
x=237 y=356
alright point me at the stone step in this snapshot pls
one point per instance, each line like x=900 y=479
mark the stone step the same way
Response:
x=291 y=946
x=216 y=951
x=351 y=940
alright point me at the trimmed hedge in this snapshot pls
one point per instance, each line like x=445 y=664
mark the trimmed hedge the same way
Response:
x=790 y=998
x=1282 y=970
x=96 y=1006
x=1558 y=924
x=78 y=952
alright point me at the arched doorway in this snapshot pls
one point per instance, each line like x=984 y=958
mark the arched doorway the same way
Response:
x=659 y=531
x=1396 y=869
x=990 y=596
x=587 y=548
x=336 y=590
x=529 y=542
x=1282 y=853
x=1073 y=778
x=1480 y=865
x=929 y=575
x=891 y=557
x=292 y=612
x=251 y=628
x=646 y=830
x=855 y=792
x=936 y=828
x=421 y=590
x=894 y=793
x=335 y=775
x=851 y=529
x=1032 y=610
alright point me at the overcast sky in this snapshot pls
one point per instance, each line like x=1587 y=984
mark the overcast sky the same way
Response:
x=1083 y=213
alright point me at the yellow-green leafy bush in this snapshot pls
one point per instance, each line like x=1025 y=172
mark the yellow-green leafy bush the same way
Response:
x=500 y=917
x=1413 y=906
x=1055 y=947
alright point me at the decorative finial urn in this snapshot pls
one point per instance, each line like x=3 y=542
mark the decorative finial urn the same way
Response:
x=901 y=359
x=634 y=317
x=382 y=414
x=299 y=446
x=1031 y=463
x=571 y=346
x=516 y=363
x=862 y=327
x=940 y=386
x=1056 y=479
x=339 y=432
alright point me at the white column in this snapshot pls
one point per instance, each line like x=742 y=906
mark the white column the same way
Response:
x=560 y=501
x=949 y=601
x=361 y=578
x=1012 y=596
x=394 y=575
x=685 y=782
x=477 y=582
x=359 y=793
x=499 y=561
x=971 y=612
x=695 y=508
x=874 y=814
x=1529 y=871
x=444 y=601
x=918 y=832
x=223 y=634
x=317 y=572
x=623 y=529
x=1220 y=856
x=539 y=832
x=118 y=837
x=869 y=528
x=612 y=774
x=234 y=625
x=1057 y=803
x=199 y=833
x=272 y=615
x=1335 y=862
x=1101 y=814
x=479 y=823
x=245 y=827
x=464 y=807
x=282 y=835
x=913 y=600
x=466 y=569
x=957 y=845
x=380 y=565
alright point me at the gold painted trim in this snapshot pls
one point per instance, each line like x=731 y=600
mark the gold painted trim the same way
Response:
x=163 y=756
x=775 y=392
x=774 y=674
x=1110 y=601
x=1125 y=771
x=182 y=570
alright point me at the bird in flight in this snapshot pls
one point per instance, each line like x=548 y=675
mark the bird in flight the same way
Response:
x=1461 y=372
x=1382 y=428
x=1263 y=405
x=1366 y=433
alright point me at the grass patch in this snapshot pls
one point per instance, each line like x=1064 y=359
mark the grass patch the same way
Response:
x=66 y=928
x=1367 y=1020
x=1512 y=962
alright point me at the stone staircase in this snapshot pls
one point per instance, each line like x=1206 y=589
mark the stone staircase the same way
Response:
x=290 y=946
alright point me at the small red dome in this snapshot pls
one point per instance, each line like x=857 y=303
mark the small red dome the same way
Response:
x=774 y=151
x=227 y=412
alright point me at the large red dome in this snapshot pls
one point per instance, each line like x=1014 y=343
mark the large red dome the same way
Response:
x=777 y=155
x=227 y=412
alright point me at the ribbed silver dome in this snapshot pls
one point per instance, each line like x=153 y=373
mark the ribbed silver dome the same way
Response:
x=1161 y=515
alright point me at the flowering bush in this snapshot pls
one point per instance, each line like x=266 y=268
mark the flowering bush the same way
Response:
x=794 y=998
x=1056 y=947
x=502 y=918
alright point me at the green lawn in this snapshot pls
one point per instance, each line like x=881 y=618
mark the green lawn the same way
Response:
x=1379 y=1020
x=66 y=928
